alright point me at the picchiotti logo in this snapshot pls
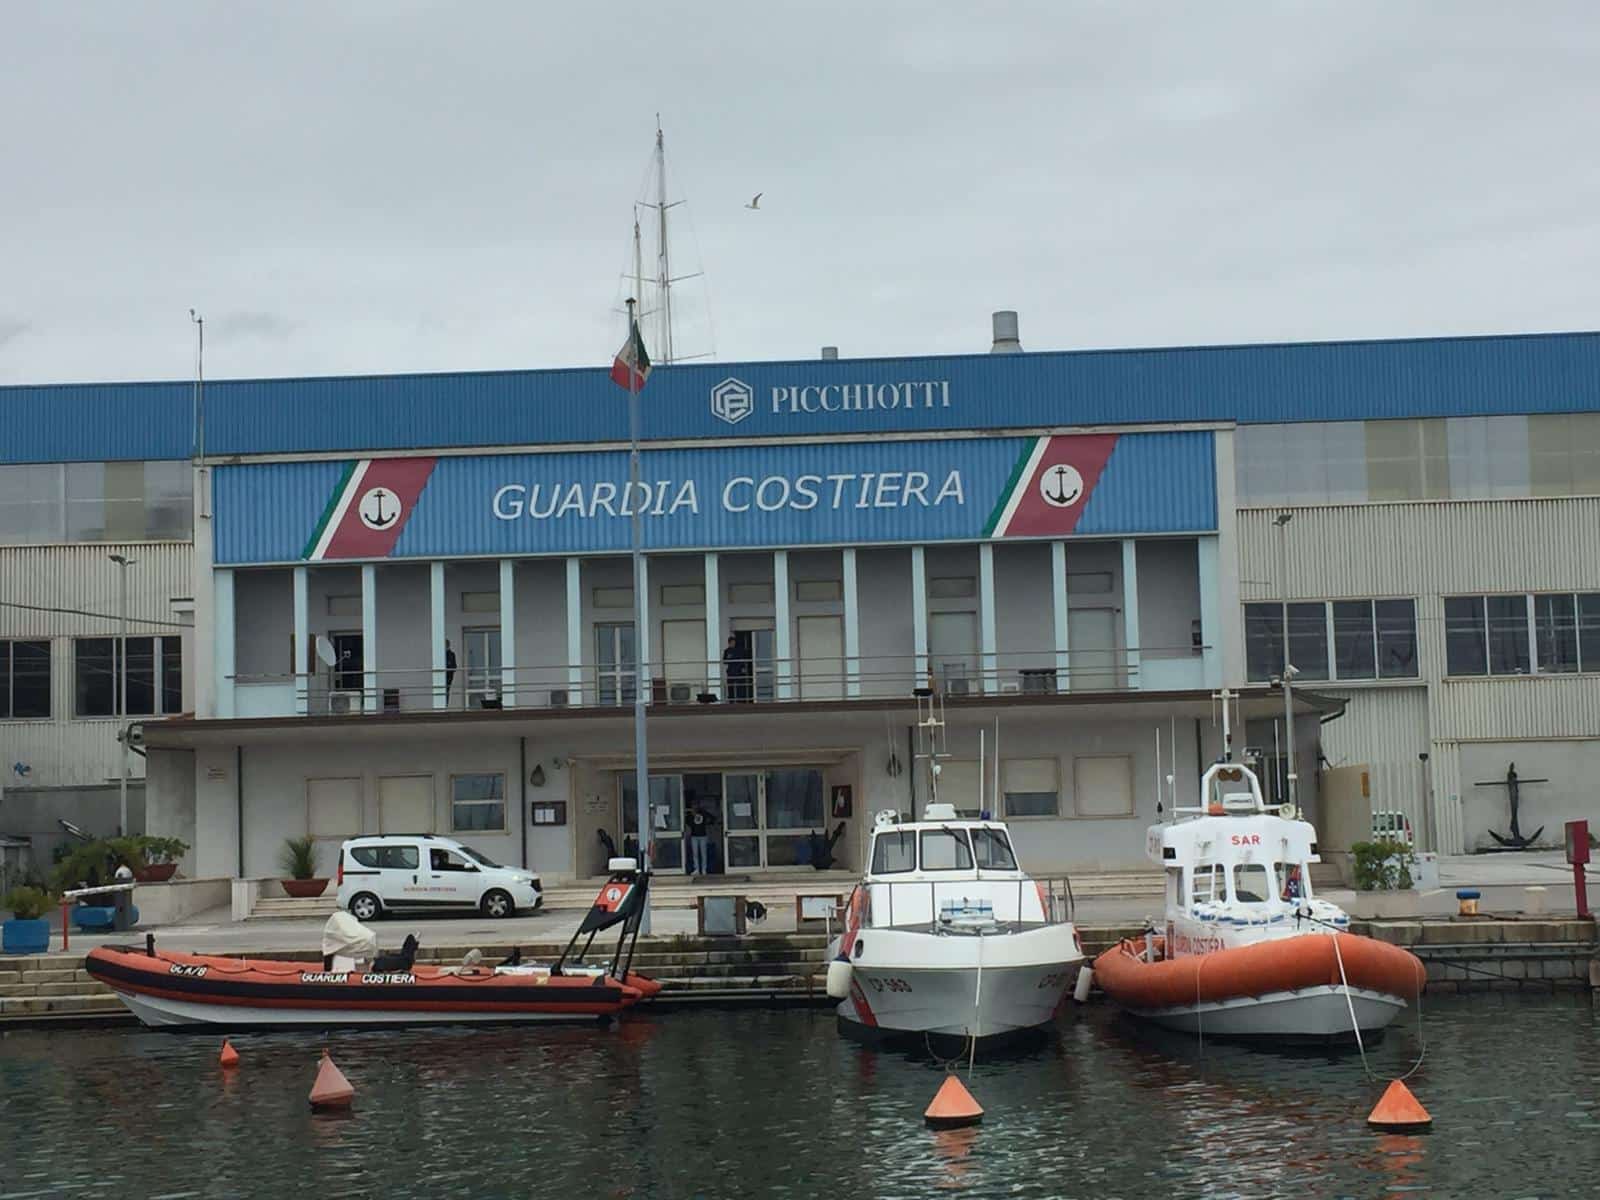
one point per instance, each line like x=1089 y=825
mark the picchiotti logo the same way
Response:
x=732 y=400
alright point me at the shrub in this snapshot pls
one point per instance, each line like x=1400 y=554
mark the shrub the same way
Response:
x=27 y=903
x=91 y=864
x=298 y=858
x=1383 y=866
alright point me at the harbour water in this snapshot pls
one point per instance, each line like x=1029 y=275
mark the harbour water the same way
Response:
x=754 y=1103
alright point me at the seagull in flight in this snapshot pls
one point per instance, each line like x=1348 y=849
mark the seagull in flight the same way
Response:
x=756 y=201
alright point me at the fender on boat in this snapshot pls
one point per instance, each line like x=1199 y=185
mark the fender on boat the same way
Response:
x=1241 y=972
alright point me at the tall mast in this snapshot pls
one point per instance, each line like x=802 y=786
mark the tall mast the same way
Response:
x=638 y=270
x=663 y=271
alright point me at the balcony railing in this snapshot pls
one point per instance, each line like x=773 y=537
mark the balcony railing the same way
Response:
x=340 y=690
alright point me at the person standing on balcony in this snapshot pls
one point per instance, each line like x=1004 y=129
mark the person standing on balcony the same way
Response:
x=736 y=671
x=449 y=670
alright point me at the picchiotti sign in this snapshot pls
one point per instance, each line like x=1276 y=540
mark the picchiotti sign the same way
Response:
x=839 y=493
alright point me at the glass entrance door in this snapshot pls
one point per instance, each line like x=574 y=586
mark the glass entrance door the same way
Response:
x=741 y=821
x=769 y=817
x=666 y=819
x=616 y=662
x=483 y=664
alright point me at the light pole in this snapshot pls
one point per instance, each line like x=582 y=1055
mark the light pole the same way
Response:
x=1282 y=522
x=119 y=684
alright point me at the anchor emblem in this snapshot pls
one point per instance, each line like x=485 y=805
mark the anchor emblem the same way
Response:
x=375 y=510
x=1061 y=486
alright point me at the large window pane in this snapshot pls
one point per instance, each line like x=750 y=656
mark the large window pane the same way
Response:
x=1555 y=625
x=1397 y=638
x=1589 y=631
x=1508 y=634
x=94 y=688
x=794 y=799
x=666 y=805
x=1352 y=639
x=30 y=504
x=1464 y=649
x=478 y=803
x=172 y=675
x=141 y=699
x=1263 y=641
x=30 y=679
x=1308 y=640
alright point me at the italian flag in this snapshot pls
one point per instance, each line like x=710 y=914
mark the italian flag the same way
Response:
x=632 y=367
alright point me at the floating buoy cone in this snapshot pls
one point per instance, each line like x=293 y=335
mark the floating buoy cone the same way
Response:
x=953 y=1106
x=229 y=1056
x=332 y=1089
x=1399 y=1109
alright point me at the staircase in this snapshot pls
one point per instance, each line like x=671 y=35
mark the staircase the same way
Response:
x=43 y=986
x=285 y=908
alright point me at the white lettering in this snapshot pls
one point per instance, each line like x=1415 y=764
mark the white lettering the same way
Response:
x=951 y=488
x=806 y=488
x=513 y=510
x=838 y=482
x=661 y=497
x=779 y=395
x=727 y=493
x=866 y=487
x=572 y=502
x=605 y=492
x=762 y=493
x=687 y=497
x=533 y=502
x=888 y=485
x=916 y=485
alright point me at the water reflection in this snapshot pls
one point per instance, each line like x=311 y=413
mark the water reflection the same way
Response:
x=750 y=1104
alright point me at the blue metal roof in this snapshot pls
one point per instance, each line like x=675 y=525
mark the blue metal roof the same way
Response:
x=1324 y=381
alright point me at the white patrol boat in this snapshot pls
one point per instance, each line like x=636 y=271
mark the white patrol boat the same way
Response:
x=946 y=934
x=1248 y=950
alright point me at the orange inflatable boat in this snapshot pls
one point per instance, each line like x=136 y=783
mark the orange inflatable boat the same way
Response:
x=1301 y=986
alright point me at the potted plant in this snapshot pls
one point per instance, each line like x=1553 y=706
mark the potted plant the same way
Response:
x=155 y=859
x=298 y=859
x=27 y=932
x=1384 y=883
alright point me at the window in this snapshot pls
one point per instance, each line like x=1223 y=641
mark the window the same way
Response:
x=440 y=859
x=945 y=850
x=387 y=858
x=1589 y=631
x=1555 y=627
x=794 y=799
x=1488 y=635
x=749 y=593
x=478 y=803
x=613 y=597
x=1508 y=634
x=893 y=851
x=992 y=851
x=952 y=587
x=675 y=595
x=818 y=589
x=480 y=602
x=1372 y=639
x=1251 y=884
x=1465 y=649
x=92 y=502
x=1205 y=881
x=154 y=671
x=1104 y=785
x=1291 y=885
x=350 y=657
x=24 y=679
x=1030 y=787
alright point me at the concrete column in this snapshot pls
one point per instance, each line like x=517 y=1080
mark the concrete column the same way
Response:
x=989 y=642
x=371 y=694
x=1130 y=610
x=714 y=680
x=508 y=632
x=1058 y=606
x=782 y=648
x=223 y=628
x=919 y=615
x=852 y=626
x=441 y=698
x=305 y=653
x=1210 y=615
x=575 y=631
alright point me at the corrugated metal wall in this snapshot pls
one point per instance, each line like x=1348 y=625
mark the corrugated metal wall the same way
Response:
x=64 y=751
x=1322 y=382
x=1385 y=729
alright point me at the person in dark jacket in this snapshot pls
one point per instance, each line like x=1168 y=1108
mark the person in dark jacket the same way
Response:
x=736 y=671
x=449 y=670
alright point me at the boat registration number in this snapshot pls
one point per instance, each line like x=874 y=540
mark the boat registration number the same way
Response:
x=1053 y=980
x=888 y=985
x=186 y=970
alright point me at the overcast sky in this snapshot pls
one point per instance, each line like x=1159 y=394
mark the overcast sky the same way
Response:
x=379 y=187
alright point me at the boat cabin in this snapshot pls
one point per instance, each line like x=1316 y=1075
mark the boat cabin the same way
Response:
x=1232 y=858
x=946 y=870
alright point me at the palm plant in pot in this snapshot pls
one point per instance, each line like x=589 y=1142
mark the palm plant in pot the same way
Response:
x=27 y=932
x=298 y=860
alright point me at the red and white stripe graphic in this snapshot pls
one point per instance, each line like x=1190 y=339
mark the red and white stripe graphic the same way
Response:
x=1054 y=485
x=373 y=508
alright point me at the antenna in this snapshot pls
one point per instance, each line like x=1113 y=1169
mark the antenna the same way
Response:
x=1158 y=773
x=199 y=386
x=1227 y=724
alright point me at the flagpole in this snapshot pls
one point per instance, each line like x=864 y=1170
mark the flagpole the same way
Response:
x=641 y=753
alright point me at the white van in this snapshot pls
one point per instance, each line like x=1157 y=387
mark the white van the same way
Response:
x=419 y=871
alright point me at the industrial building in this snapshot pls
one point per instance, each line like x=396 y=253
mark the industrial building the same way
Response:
x=404 y=602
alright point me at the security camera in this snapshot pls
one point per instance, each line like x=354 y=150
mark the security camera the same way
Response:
x=1291 y=671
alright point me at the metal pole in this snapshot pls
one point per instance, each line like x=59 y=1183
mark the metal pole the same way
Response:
x=641 y=752
x=1282 y=520
x=122 y=692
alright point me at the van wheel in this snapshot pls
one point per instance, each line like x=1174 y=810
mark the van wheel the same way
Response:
x=498 y=904
x=364 y=906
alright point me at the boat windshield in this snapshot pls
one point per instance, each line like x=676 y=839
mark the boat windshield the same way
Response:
x=1204 y=878
x=1251 y=883
x=946 y=850
x=992 y=850
x=894 y=850
x=481 y=859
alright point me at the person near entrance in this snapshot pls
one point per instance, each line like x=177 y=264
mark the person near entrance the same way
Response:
x=449 y=670
x=736 y=669
x=698 y=827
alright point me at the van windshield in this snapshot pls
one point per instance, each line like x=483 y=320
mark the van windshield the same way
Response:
x=482 y=860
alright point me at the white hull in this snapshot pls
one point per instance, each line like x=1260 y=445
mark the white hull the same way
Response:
x=910 y=983
x=1313 y=1013
x=160 y=1012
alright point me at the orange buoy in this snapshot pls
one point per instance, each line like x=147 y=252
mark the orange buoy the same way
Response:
x=953 y=1106
x=229 y=1057
x=332 y=1089
x=1399 y=1109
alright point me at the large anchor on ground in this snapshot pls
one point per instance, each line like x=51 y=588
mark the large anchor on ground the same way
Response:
x=1513 y=785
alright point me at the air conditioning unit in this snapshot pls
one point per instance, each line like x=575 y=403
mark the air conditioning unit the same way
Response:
x=1038 y=683
x=558 y=697
x=958 y=686
x=344 y=702
x=680 y=693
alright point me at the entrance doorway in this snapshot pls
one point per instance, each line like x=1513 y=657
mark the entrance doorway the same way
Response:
x=616 y=662
x=1092 y=649
x=760 y=819
x=483 y=664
